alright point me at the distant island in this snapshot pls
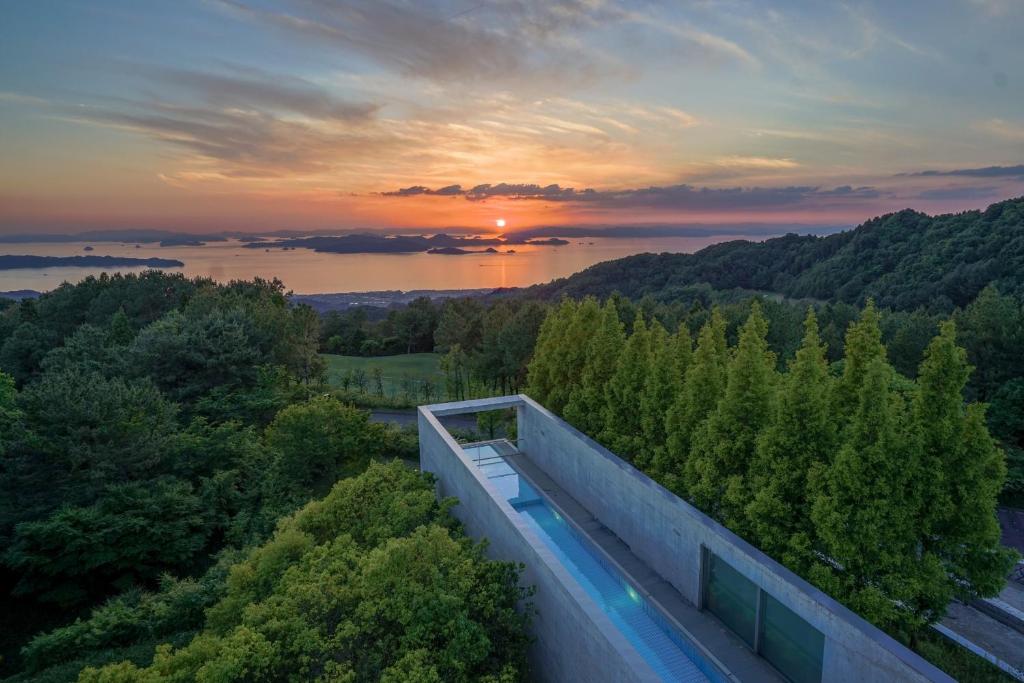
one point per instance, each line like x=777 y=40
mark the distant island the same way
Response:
x=13 y=262
x=402 y=244
x=182 y=242
x=550 y=242
x=456 y=251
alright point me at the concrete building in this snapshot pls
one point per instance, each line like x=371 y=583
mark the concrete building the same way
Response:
x=633 y=583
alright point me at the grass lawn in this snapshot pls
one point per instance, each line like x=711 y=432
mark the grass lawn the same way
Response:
x=415 y=366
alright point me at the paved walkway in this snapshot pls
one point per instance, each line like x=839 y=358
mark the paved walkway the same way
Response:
x=720 y=642
x=988 y=635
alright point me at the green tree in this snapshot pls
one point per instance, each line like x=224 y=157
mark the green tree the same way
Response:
x=1006 y=422
x=87 y=432
x=517 y=339
x=622 y=432
x=669 y=359
x=909 y=340
x=134 y=533
x=370 y=583
x=88 y=349
x=557 y=366
x=414 y=325
x=453 y=365
x=725 y=445
x=544 y=372
x=863 y=345
x=801 y=439
x=961 y=474
x=991 y=328
x=190 y=355
x=866 y=522
x=10 y=415
x=120 y=332
x=299 y=350
x=322 y=438
x=22 y=353
x=586 y=406
x=703 y=386
x=459 y=324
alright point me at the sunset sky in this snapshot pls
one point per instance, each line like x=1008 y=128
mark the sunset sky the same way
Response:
x=211 y=115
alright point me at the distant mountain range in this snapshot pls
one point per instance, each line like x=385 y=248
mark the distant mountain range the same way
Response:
x=20 y=294
x=140 y=236
x=903 y=260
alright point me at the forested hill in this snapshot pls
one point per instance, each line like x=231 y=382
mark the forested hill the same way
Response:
x=903 y=260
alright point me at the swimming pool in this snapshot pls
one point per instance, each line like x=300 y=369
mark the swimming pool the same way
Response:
x=672 y=656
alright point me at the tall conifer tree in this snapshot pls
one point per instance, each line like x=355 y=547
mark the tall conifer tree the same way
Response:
x=703 y=385
x=557 y=364
x=960 y=474
x=801 y=438
x=622 y=432
x=866 y=523
x=543 y=371
x=724 y=447
x=586 y=407
x=863 y=344
x=669 y=359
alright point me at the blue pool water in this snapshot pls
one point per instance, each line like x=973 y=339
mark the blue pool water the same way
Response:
x=668 y=652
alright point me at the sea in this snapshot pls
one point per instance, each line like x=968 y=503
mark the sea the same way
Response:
x=308 y=272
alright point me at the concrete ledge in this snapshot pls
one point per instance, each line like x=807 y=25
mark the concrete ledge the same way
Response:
x=1001 y=612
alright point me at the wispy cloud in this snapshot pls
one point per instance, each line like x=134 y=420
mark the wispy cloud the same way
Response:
x=21 y=99
x=241 y=143
x=251 y=89
x=676 y=197
x=524 y=41
x=958 y=193
x=983 y=172
x=756 y=162
x=1002 y=128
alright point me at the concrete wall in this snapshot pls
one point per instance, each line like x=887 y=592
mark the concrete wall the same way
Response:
x=668 y=533
x=575 y=640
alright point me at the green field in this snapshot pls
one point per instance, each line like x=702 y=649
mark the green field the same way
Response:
x=415 y=366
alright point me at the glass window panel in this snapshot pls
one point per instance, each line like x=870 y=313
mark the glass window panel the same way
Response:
x=732 y=598
x=793 y=646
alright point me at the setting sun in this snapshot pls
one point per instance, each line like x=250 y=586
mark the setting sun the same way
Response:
x=500 y=222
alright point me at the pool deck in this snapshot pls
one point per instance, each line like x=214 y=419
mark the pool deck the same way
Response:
x=731 y=653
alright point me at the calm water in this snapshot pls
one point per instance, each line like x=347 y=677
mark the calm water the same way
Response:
x=668 y=652
x=308 y=272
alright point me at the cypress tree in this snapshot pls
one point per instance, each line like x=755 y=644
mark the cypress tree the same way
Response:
x=801 y=438
x=724 y=447
x=542 y=372
x=669 y=359
x=586 y=406
x=862 y=346
x=622 y=432
x=702 y=387
x=557 y=365
x=865 y=522
x=960 y=475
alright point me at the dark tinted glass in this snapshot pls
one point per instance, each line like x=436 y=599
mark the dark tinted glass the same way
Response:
x=793 y=646
x=732 y=598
